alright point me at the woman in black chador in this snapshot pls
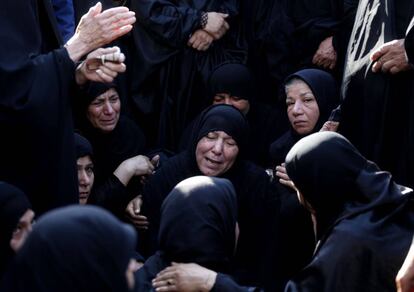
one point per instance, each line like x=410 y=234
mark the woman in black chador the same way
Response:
x=363 y=220
x=176 y=45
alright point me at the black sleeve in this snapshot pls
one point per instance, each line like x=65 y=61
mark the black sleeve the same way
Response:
x=168 y=23
x=225 y=283
x=111 y=195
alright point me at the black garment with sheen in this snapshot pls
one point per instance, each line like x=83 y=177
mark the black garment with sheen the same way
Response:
x=377 y=108
x=256 y=198
x=37 y=151
x=77 y=248
x=13 y=204
x=365 y=221
x=168 y=86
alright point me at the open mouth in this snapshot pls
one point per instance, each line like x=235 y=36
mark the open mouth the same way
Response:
x=212 y=161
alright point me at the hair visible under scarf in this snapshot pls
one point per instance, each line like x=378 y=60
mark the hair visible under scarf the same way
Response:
x=324 y=88
x=13 y=204
x=224 y=118
x=231 y=78
x=76 y=248
x=198 y=220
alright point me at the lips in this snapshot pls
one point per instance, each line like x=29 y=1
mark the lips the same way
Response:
x=300 y=123
x=213 y=161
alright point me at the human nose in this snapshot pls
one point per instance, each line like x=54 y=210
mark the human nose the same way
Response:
x=218 y=147
x=84 y=178
x=108 y=108
x=297 y=108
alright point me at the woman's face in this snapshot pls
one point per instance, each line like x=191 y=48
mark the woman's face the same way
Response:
x=216 y=153
x=85 y=178
x=103 y=111
x=22 y=231
x=242 y=105
x=302 y=107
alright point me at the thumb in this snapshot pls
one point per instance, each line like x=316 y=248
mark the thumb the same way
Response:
x=155 y=160
x=95 y=10
x=137 y=205
x=224 y=15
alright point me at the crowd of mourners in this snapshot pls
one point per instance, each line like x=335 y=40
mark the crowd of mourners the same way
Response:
x=207 y=145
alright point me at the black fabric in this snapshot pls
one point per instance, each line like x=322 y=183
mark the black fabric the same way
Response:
x=78 y=248
x=198 y=224
x=168 y=86
x=233 y=79
x=35 y=111
x=360 y=213
x=13 y=204
x=83 y=147
x=224 y=118
x=313 y=22
x=326 y=92
x=202 y=206
x=256 y=198
x=376 y=105
x=125 y=141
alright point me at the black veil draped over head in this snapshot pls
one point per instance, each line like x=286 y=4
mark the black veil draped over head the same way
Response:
x=325 y=89
x=77 y=248
x=198 y=221
x=360 y=213
x=35 y=111
x=13 y=204
x=110 y=149
x=233 y=79
x=252 y=185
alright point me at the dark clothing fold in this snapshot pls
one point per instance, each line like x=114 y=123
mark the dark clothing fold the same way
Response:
x=360 y=213
x=198 y=224
x=377 y=107
x=35 y=110
x=168 y=87
x=13 y=205
x=125 y=141
x=77 y=248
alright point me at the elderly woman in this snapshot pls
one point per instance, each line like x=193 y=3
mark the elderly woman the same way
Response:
x=198 y=224
x=77 y=248
x=311 y=95
x=216 y=150
x=118 y=146
x=363 y=220
x=232 y=83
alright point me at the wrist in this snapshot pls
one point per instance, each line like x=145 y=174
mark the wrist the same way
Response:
x=76 y=48
x=203 y=19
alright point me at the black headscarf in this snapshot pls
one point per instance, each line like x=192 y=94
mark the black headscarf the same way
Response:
x=337 y=180
x=224 y=118
x=13 y=204
x=231 y=78
x=77 y=248
x=205 y=207
x=363 y=218
x=83 y=147
x=326 y=93
x=198 y=220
